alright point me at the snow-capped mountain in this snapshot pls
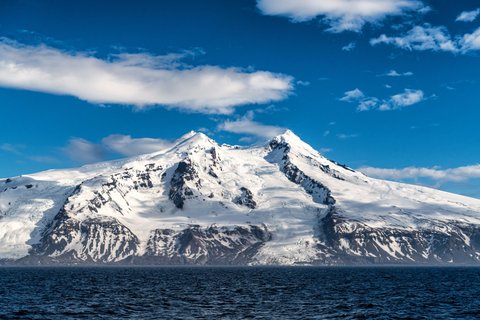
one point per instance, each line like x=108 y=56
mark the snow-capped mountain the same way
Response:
x=200 y=202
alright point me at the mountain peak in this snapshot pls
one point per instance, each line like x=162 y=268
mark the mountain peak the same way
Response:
x=187 y=135
x=289 y=135
x=194 y=138
x=294 y=141
x=289 y=132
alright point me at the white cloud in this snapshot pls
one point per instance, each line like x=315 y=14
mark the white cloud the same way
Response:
x=446 y=175
x=84 y=151
x=468 y=16
x=394 y=73
x=429 y=38
x=352 y=95
x=137 y=79
x=365 y=103
x=407 y=98
x=247 y=125
x=370 y=103
x=341 y=15
x=470 y=41
x=128 y=146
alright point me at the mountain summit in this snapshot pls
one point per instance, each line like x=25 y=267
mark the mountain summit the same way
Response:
x=198 y=202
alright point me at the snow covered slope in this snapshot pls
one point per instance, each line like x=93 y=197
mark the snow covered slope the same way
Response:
x=199 y=202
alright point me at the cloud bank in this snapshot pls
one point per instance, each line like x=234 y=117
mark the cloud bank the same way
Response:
x=137 y=79
x=341 y=15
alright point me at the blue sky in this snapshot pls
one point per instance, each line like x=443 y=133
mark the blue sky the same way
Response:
x=388 y=86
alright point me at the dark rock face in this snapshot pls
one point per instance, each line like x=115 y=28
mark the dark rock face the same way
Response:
x=107 y=240
x=100 y=239
x=179 y=191
x=328 y=170
x=213 y=245
x=94 y=239
x=214 y=162
x=245 y=199
x=356 y=243
x=319 y=192
x=60 y=233
x=342 y=165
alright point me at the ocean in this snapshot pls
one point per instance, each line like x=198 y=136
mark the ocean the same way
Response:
x=239 y=293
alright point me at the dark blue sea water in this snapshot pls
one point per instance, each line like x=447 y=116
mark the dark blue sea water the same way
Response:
x=238 y=293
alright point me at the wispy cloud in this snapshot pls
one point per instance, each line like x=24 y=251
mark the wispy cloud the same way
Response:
x=430 y=38
x=137 y=79
x=407 y=98
x=10 y=148
x=349 y=47
x=44 y=159
x=468 y=16
x=22 y=152
x=345 y=136
x=303 y=83
x=128 y=146
x=443 y=175
x=246 y=125
x=341 y=15
x=84 y=151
